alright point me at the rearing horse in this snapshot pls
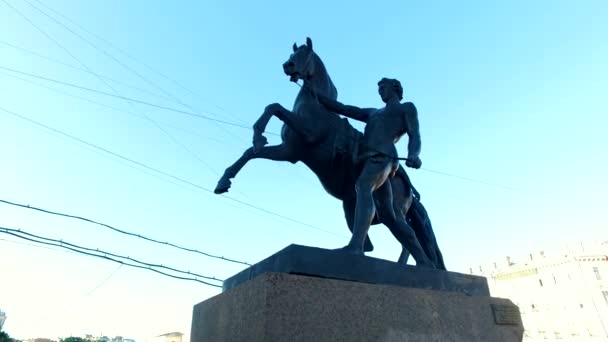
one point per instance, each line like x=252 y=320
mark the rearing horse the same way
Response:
x=328 y=145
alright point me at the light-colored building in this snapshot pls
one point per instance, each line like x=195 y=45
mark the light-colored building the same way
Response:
x=169 y=337
x=562 y=296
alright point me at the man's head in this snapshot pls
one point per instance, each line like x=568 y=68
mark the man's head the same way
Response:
x=388 y=87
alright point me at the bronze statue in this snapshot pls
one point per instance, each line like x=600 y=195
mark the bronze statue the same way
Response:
x=328 y=145
x=378 y=156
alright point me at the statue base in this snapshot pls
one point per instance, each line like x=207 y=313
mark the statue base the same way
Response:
x=285 y=306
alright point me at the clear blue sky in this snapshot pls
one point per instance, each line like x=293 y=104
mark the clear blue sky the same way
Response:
x=508 y=93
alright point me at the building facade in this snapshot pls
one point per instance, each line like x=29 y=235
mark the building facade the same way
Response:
x=562 y=296
x=169 y=337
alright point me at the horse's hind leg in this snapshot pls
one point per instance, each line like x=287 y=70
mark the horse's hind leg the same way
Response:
x=279 y=153
x=422 y=223
x=402 y=201
x=400 y=209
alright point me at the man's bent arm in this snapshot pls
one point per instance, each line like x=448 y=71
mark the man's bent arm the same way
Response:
x=361 y=114
x=413 y=130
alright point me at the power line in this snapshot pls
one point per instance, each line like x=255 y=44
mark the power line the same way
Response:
x=131 y=57
x=166 y=174
x=105 y=280
x=488 y=183
x=112 y=57
x=39 y=55
x=176 y=141
x=118 y=62
x=139 y=76
x=97 y=250
x=92 y=252
x=123 y=231
x=128 y=99
x=110 y=107
x=129 y=113
x=32 y=245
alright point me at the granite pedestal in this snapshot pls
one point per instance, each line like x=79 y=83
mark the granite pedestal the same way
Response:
x=311 y=294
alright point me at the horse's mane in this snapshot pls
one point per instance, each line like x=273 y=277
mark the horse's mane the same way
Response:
x=332 y=92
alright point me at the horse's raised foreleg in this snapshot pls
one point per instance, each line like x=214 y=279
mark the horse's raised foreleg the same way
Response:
x=288 y=117
x=279 y=153
x=259 y=140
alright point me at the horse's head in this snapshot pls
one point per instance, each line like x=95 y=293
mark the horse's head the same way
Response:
x=301 y=63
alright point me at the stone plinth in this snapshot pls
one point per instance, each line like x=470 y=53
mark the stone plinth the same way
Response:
x=324 y=263
x=294 y=307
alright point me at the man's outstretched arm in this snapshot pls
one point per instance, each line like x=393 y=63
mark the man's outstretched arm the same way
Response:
x=361 y=114
x=413 y=131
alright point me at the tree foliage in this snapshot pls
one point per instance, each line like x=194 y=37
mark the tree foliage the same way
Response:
x=74 y=339
x=4 y=337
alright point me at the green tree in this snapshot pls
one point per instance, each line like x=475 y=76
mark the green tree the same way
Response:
x=4 y=337
x=73 y=339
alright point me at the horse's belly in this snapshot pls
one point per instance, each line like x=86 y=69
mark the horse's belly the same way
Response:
x=335 y=178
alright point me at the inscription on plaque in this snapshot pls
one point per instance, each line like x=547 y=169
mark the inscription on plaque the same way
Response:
x=506 y=314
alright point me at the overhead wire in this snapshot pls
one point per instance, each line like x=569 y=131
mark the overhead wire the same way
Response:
x=114 y=80
x=152 y=121
x=105 y=280
x=139 y=75
x=191 y=132
x=201 y=116
x=97 y=250
x=121 y=231
x=488 y=183
x=92 y=252
x=137 y=60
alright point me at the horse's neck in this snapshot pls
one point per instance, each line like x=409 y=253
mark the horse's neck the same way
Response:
x=320 y=83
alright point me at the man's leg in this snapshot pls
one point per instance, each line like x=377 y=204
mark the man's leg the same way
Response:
x=372 y=175
x=349 y=214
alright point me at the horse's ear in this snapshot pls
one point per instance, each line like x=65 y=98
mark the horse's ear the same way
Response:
x=309 y=42
x=295 y=47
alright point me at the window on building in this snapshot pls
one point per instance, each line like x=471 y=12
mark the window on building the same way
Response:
x=597 y=273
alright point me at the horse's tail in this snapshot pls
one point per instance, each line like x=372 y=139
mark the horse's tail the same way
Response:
x=419 y=219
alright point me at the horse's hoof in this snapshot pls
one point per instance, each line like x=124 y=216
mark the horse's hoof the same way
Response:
x=259 y=141
x=222 y=186
x=427 y=265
